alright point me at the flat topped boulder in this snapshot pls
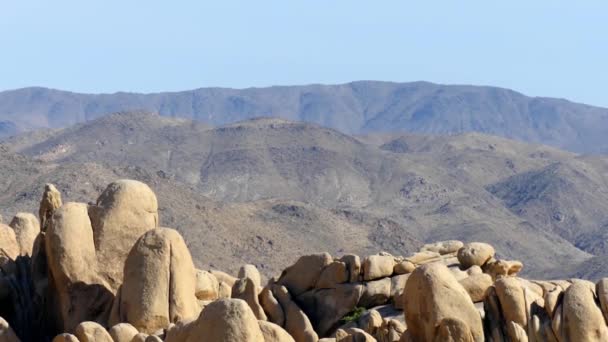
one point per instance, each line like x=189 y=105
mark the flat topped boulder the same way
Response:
x=123 y=212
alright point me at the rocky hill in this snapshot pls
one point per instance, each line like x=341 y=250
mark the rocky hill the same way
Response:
x=107 y=272
x=353 y=108
x=267 y=187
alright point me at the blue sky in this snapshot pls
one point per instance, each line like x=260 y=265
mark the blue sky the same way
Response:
x=542 y=48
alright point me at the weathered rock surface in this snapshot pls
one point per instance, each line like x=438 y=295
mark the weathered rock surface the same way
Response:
x=27 y=228
x=159 y=283
x=303 y=275
x=435 y=299
x=123 y=212
x=475 y=253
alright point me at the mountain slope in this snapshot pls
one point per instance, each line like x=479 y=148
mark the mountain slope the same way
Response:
x=358 y=107
x=308 y=188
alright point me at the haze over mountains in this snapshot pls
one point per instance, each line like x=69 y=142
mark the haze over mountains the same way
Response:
x=270 y=189
x=355 y=108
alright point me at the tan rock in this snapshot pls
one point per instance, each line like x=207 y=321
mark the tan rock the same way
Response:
x=356 y=335
x=207 y=286
x=247 y=290
x=65 y=337
x=303 y=275
x=27 y=228
x=423 y=257
x=453 y=329
x=378 y=266
x=51 y=200
x=398 y=290
x=476 y=286
x=353 y=265
x=153 y=338
x=224 y=290
x=511 y=296
x=6 y=332
x=274 y=333
x=297 y=323
x=582 y=319
x=371 y=321
x=122 y=332
x=271 y=306
x=8 y=242
x=503 y=268
x=250 y=271
x=141 y=337
x=434 y=296
x=404 y=267
x=375 y=293
x=159 y=282
x=226 y=320
x=92 y=332
x=333 y=274
x=552 y=298
x=443 y=247
x=81 y=295
x=224 y=277
x=517 y=332
x=124 y=211
x=475 y=253
x=602 y=294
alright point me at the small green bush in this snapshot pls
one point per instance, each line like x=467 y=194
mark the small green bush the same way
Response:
x=353 y=315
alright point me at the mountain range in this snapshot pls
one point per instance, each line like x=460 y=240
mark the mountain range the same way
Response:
x=362 y=107
x=271 y=189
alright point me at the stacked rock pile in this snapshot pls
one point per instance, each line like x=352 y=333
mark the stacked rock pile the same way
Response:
x=108 y=272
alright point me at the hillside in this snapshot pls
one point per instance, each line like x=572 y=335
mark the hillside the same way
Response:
x=272 y=189
x=353 y=108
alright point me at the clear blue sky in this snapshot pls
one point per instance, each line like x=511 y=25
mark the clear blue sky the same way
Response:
x=550 y=48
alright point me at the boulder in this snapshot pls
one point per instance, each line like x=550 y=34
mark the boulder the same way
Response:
x=502 y=268
x=124 y=211
x=375 y=293
x=353 y=265
x=247 y=290
x=475 y=253
x=476 y=286
x=224 y=290
x=159 y=282
x=140 y=337
x=297 y=323
x=436 y=299
x=378 y=266
x=303 y=275
x=602 y=294
x=92 y=332
x=512 y=300
x=207 y=286
x=353 y=335
x=272 y=308
x=326 y=307
x=333 y=274
x=223 y=277
x=80 y=293
x=65 y=337
x=423 y=257
x=404 y=267
x=582 y=319
x=8 y=241
x=443 y=247
x=250 y=271
x=27 y=228
x=226 y=320
x=122 y=332
x=274 y=333
x=51 y=200
x=398 y=290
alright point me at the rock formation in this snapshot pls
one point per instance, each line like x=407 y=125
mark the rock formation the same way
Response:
x=107 y=272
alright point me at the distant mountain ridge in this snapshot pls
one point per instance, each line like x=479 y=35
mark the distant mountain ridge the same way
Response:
x=353 y=108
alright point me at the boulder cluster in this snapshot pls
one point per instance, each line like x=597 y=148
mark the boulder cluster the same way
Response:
x=107 y=272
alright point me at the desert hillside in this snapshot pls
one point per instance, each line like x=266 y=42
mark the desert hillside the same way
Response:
x=270 y=189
